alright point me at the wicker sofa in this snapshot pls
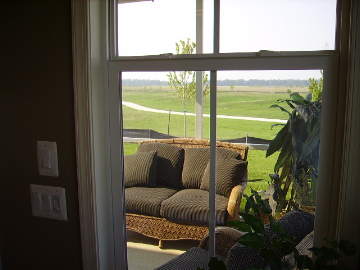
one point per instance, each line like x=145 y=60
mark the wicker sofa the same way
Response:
x=168 y=212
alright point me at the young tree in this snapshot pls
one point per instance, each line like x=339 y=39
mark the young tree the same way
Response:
x=184 y=82
x=316 y=88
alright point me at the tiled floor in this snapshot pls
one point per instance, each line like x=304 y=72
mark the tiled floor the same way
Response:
x=144 y=253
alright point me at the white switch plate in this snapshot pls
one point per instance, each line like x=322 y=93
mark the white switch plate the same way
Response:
x=48 y=202
x=47 y=158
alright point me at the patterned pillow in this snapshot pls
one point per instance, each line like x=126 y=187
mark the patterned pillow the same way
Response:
x=140 y=169
x=169 y=163
x=195 y=162
x=229 y=173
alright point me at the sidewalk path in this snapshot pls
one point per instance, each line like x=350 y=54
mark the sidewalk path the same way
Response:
x=147 y=109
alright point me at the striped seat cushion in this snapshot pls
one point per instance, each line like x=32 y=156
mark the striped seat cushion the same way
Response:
x=191 y=206
x=146 y=200
x=193 y=259
x=140 y=169
x=195 y=162
x=170 y=159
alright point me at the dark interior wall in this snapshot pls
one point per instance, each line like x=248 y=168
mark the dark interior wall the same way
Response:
x=36 y=100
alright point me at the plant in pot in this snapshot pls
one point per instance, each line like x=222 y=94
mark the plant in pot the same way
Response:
x=279 y=251
x=298 y=141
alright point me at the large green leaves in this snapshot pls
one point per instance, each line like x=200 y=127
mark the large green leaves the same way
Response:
x=255 y=222
x=285 y=155
x=276 y=144
x=253 y=240
x=298 y=142
x=239 y=225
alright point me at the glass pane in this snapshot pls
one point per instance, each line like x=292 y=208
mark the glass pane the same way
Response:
x=281 y=25
x=154 y=27
x=246 y=115
x=153 y=109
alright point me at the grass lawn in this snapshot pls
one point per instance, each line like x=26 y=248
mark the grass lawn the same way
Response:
x=248 y=101
x=253 y=101
x=226 y=128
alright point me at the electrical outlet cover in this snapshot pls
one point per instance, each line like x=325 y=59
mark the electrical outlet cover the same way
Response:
x=48 y=202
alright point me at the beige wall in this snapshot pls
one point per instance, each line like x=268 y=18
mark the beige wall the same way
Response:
x=36 y=103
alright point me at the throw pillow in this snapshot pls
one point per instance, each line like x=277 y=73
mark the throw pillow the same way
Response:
x=169 y=163
x=229 y=173
x=195 y=162
x=140 y=169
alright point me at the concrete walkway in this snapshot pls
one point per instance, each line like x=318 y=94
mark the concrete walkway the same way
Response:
x=147 y=109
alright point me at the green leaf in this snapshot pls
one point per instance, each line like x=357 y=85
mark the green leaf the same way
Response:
x=312 y=141
x=281 y=108
x=298 y=99
x=265 y=207
x=252 y=240
x=250 y=203
x=304 y=262
x=216 y=264
x=277 y=125
x=256 y=223
x=276 y=227
x=241 y=226
x=284 y=156
x=278 y=141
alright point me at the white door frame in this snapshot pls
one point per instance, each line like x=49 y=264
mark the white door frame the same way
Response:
x=99 y=212
x=90 y=55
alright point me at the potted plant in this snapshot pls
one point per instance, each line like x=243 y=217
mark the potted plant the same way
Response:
x=279 y=252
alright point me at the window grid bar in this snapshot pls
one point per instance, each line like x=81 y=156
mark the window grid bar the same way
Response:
x=213 y=127
x=241 y=63
x=212 y=202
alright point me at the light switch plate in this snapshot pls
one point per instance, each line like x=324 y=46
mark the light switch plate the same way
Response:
x=48 y=202
x=47 y=158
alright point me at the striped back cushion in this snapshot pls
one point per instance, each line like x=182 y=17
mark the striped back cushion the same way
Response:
x=170 y=160
x=195 y=162
x=229 y=173
x=140 y=169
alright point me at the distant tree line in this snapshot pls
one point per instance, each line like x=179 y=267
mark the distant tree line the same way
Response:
x=255 y=82
x=239 y=82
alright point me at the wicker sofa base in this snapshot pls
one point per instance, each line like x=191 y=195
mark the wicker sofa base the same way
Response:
x=162 y=229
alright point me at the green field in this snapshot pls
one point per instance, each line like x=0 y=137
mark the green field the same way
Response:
x=242 y=101
x=236 y=101
x=254 y=103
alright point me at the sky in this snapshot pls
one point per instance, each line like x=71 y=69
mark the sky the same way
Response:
x=150 y=28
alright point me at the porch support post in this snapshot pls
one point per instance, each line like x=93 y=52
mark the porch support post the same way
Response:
x=199 y=74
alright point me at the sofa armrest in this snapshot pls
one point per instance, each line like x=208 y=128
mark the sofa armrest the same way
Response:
x=235 y=200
